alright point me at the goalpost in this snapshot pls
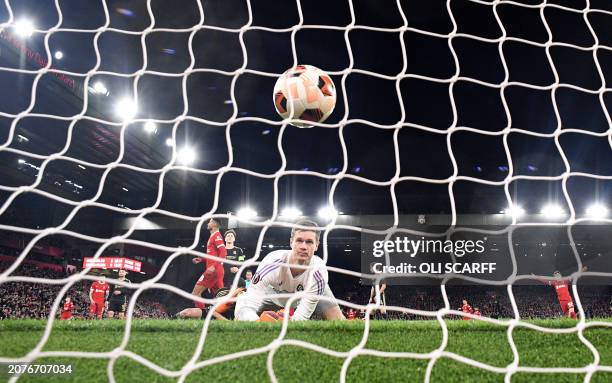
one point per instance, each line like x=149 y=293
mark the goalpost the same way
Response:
x=12 y=27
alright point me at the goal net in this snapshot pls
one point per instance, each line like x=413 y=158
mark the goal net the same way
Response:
x=456 y=121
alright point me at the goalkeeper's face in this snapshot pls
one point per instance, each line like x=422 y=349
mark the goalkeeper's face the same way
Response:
x=303 y=246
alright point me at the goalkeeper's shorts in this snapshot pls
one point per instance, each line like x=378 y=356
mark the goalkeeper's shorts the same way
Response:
x=97 y=307
x=212 y=280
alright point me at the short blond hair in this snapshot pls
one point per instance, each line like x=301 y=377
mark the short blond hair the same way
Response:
x=307 y=223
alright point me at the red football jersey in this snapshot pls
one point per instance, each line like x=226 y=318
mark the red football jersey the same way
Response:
x=466 y=308
x=68 y=306
x=562 y=289
x=477 y=313
x=98 y=290
x=216 y=247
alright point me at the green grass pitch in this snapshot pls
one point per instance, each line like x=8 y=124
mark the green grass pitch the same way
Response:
x=171 y=344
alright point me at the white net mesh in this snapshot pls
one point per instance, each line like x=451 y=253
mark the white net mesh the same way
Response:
x=46 y=67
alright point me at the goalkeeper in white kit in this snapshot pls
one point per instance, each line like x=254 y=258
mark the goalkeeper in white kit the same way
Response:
x=276 y=276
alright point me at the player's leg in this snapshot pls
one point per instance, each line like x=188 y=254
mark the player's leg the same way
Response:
x=99 y=309
x=199 y=288
x=571 y=312
x=110 y=313
x=121 y=313
x=383 y=302
x=249 y=309
x=92 y=310
x=190 y=313
x=220 y=277
x=328 y=308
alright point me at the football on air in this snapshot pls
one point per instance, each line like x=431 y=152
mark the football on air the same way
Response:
x=304 y=94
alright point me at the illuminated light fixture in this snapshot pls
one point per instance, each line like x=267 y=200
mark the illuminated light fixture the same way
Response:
x=186 y=156
x=597 y=210
x=99 y=87
x=514 y=211
x=24 y=28
x=291 y=213
x=126 y=109
x=327 y=213
x=247 y=213
x=552 y=211
x=150 y=127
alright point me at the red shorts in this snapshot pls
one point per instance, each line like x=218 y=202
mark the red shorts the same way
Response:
x=212 y=280
x=66 y=315
x=97 y=307
x=567 y=306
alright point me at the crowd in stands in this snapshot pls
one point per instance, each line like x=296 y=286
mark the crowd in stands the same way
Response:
x=533 y=301
x=34 y=300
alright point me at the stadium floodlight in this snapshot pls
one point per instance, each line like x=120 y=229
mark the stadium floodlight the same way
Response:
x=246 y=213
x=597 y=210
x=186 y=155
x=150 y=127
x=99 y=87
x=169 y=142
x=291 y=212
x=59 y=55
x=514 y=211
x=126 y=109
x=24 y=28
x=21 y=161
x=327 y=213
x=552 y=211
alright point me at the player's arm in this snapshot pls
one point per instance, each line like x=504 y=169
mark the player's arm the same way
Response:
x=218 y=316
x=251 y=301
x=91 y=293
x=220 y=248
x=308 y=304
x=543 y=280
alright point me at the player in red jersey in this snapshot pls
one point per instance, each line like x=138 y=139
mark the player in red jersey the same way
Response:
x=477 y=312
x=67 y=310
x=562 y=288
x=212 y=278
x=97 y=296
x=466 y=308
